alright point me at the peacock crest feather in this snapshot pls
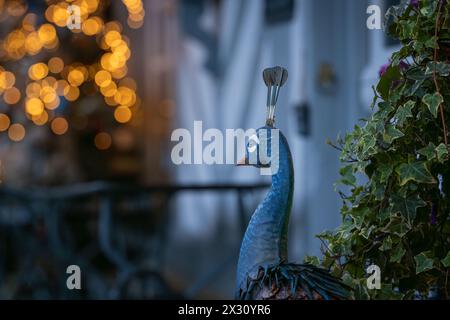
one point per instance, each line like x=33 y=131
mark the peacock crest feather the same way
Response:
x=274 y=78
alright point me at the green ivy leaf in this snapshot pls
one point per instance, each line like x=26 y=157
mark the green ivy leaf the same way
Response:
x=389 y=207
x=404 y=112
x=446 y=260
x=407 y=28
x=384 y=214
x=423 y=262
x=365 y=232
x=428 y=8
x=391 y=134
x=384 y=85
x=368 y=143
x=417 y=74
x=442 y=68
x=388 y=293
x=394 y=12
x=442 y=152
x=375 y=98
x=430 y=42
x=387 y=244
x=398 y=226
x=416 y=171
x=361 y=291
x=385 y=169
x=347 y=176
x=433 y=101
x=426 y=11
x=429 y=151
x=406 y=206
x=397 y=254
x=416 y=86
x=315 y=261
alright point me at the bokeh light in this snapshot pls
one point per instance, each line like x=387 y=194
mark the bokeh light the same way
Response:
x=7 y=79
x=59 y=126
x=71 y=93
x=34 y=106
x=41 y=119
x=122 y=114
x=33 y=90
x=47 y=34
x=103 y=78
x=16 y=132
x=4 y=122
x=11 y=95
x=75 y=77
x=55 y=65
x=103 y=141
x=50 y=76
x=38 y=71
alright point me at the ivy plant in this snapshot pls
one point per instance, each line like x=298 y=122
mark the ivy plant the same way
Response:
x=395 y=178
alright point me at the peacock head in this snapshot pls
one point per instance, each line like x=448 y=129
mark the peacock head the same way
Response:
x=262 y=149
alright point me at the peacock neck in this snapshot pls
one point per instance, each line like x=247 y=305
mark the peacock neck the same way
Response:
x=265 y=241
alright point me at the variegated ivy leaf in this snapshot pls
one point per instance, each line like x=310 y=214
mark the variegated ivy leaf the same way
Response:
x=423 y=262
x=406 y=206
x=442 y=152
x=416 y=171
x=397 y=254
x=417 y=74
x=428 y=8
x=387 y=244
x=404 y=112
x=368 y=143
x=391 y=134
x=385 y=169
x=429 y=151
x=387 y=292
x=315 y=261
x=442 y=68
x=407 y=28
x=433 y=101
x=446 y=260
x=398 y=226
x=347 y=175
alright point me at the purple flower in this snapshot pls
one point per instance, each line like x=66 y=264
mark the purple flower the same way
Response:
x=433 y=214
x=383 y=69
x=414 y=3
x=441 y=183
x=402 y=65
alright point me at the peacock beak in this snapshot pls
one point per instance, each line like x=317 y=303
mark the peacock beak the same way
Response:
x=242 y=162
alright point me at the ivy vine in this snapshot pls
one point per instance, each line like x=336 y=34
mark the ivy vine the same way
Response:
x=395 y=178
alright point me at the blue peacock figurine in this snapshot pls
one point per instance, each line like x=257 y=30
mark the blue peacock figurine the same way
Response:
x=263 y=271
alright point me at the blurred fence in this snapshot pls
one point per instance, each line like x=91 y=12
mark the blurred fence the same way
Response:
x=115 y=233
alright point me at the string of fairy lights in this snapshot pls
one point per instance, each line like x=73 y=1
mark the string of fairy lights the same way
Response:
x=50 y=80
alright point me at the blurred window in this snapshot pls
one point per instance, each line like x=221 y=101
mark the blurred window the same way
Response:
x=380 y=48
x=279 y=11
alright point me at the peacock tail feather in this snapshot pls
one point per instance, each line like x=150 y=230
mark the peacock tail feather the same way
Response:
x=288 y=281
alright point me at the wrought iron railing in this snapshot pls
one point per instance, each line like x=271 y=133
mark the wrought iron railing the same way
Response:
x=115 y=233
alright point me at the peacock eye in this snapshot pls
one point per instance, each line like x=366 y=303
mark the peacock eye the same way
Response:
x=253 y=143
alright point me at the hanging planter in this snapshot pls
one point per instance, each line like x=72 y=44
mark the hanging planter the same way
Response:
x=398 y=219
